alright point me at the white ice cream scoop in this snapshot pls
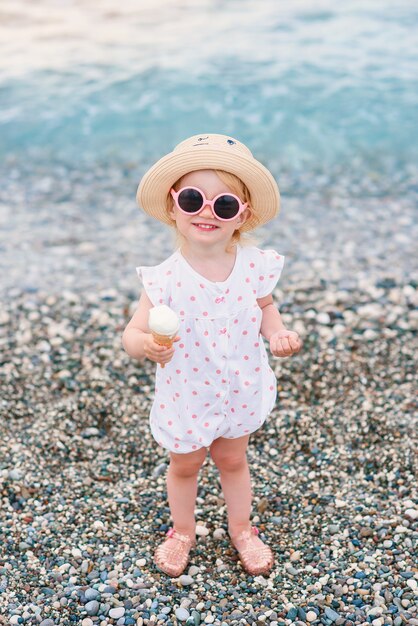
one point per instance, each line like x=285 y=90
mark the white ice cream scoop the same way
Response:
x=163 y=321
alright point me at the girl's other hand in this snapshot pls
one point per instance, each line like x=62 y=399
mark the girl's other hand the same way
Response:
x=154 y=352
x=285 y=343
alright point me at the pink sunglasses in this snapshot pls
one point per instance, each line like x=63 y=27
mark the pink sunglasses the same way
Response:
x=225 y=206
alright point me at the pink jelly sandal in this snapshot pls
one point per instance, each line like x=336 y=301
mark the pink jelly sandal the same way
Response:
x=255 y=559
x=172 y=555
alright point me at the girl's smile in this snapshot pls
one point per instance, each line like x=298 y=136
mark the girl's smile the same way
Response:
x=205 y=226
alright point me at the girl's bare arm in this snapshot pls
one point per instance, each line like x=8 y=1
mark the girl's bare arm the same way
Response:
x=272 y=320
x=137 y=339
x=283 y=342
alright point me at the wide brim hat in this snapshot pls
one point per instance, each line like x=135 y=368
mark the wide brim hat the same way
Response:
x=210 y=151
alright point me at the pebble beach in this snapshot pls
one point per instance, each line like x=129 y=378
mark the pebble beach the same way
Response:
x=82 y=482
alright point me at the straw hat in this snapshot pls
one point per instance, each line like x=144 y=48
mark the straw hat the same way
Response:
x=210 y=152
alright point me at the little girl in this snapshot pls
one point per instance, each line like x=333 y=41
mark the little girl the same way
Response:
x=216 y=387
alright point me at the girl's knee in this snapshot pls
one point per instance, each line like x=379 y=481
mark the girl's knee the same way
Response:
x=230 y=463
x=229 y=454
x=187 y=464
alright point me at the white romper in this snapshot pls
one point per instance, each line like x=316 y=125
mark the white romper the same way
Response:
x=219 y=382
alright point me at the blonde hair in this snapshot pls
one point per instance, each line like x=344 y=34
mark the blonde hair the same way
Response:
x=238 y=188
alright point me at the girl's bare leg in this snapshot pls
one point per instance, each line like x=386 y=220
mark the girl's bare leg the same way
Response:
x=230 y=457
x=182 y=489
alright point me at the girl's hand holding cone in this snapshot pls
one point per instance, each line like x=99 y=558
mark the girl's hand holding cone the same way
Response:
x=157 y=352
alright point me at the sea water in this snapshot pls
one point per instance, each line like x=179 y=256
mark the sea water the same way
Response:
x=310 y=86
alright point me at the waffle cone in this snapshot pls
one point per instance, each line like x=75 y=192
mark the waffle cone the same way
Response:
x=164 y=340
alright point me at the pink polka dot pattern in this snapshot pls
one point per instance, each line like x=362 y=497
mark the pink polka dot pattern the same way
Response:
x=219 y=382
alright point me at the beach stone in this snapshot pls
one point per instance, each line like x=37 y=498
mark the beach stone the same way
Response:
x=182 y=614
x=98 y=524
x=331 y=614
x=323 y=318
x=186 y=580
x=91 y=594
x=92 y=607
x=15 y=474
x=159 y=470
x=292 y=613
x=219 y=534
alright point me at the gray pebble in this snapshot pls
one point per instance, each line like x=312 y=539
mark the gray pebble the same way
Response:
x=92 y=607
x=331 y=614
x=15 y=474
x=182 y=614
x=159 y=470
x=91 y=594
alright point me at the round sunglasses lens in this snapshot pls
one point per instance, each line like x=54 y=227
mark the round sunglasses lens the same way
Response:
x=190 y=200
x=226 y=207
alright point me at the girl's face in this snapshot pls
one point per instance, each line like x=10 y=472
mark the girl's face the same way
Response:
x=205 y=227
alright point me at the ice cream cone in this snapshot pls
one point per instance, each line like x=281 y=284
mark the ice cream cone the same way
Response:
x=164 y=340
x=163 y=323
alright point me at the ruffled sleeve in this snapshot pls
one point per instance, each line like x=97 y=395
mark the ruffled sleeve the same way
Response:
x=153 y=283
x=270 y=265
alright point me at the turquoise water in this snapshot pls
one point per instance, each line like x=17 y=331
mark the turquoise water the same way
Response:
x=333 y=86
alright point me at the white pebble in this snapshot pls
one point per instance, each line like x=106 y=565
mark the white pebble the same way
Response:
x=261 y=581
x=141 y=562
x=76 y=552
x=209 y=619
x=411 y=513
x=219 y=533
x=295 y=556
x=323 y=318
x=87 y=622
x=412 y=584
x=311 y=616
x=63 y=374
x=98 y=524
x=202 y=531
x=186 y=580
x=118 y=612
x=375 y=611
